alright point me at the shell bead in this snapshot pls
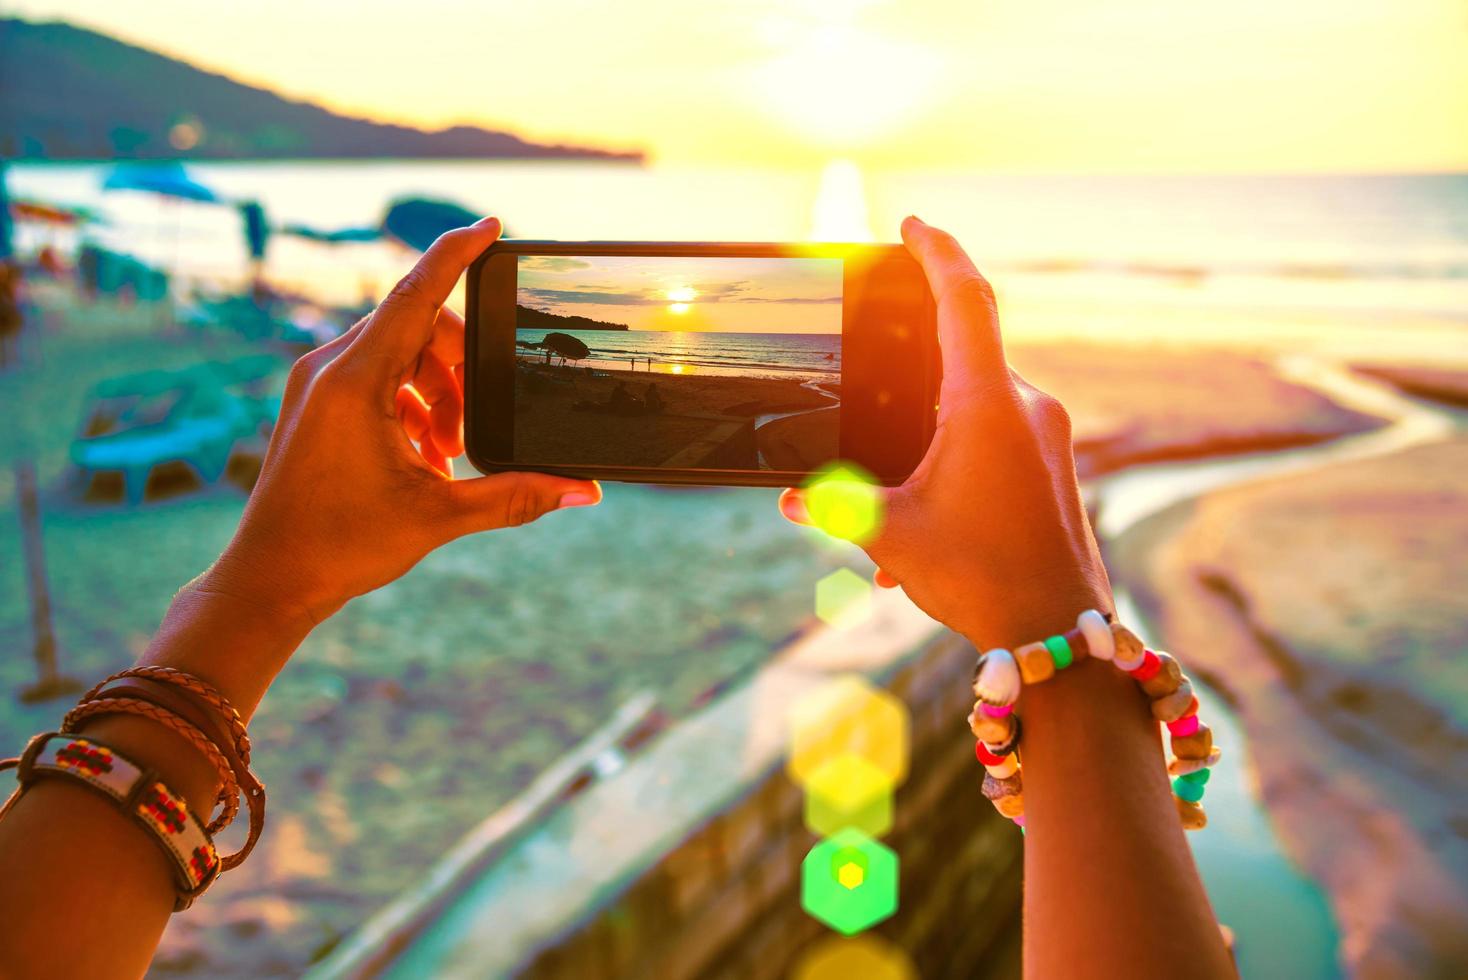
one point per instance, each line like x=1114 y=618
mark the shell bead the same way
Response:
x=997 y=678
x=1168 y=678
x=1097 y=631
x=1181 y=767
x=1173 y=706
x=1005 y=767
x=1191 y=814
x=987 y=728
x=1195 y=746
x=1129 y=649
x=1006 y=748
x=1035 y=663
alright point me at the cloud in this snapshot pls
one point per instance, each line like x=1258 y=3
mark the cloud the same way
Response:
x=595 y=294
x=552 y=263
x=590 y=295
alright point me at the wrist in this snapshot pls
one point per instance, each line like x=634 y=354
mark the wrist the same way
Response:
x=234 y=638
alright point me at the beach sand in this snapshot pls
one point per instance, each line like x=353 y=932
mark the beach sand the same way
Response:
x=706 y=420
x=1329 y=610
x=1135 y=403
x=417 y=710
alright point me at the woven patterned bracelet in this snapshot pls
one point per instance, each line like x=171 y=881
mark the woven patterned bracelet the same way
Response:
x=999 y=675
x=140 y=794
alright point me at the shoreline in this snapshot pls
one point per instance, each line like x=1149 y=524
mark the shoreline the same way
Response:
x=1355 y=787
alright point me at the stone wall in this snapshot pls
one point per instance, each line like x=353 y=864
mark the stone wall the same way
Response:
x=685 y=861
x=726 y=902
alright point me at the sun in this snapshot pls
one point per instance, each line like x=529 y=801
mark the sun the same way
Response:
x=681 y=297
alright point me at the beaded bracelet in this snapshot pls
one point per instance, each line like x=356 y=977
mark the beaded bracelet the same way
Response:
x=201 y=705
x=140 y=794
x=999 y=675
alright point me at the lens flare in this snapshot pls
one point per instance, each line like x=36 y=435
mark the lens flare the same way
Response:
x=845 y=501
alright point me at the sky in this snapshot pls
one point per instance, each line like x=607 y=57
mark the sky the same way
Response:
x=997 y=85
x=738 y=295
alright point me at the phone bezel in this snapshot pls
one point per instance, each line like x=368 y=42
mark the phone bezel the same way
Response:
x=483 y=407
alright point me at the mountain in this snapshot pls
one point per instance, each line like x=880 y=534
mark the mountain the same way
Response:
x=531 y=319
x=68 y=93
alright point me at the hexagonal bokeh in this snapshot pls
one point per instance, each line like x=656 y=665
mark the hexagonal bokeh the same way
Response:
x=847 y=715
x=845 y=501
x=849 y=882
x=848 y=791
x=843 y=598
x=854 y=958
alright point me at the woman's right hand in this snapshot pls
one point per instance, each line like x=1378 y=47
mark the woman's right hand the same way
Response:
x=988 y=535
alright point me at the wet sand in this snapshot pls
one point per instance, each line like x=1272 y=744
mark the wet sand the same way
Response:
x=1329 y=611
x=1139 y=403
x=719 y=410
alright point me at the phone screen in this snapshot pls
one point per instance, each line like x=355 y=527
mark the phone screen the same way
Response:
x=745 y=364
x=679 y=362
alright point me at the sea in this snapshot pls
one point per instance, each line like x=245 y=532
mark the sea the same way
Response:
x=1340 y=264
x=808 y=357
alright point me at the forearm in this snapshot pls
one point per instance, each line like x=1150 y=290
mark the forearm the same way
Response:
x=1110 y=885
x=71 y=855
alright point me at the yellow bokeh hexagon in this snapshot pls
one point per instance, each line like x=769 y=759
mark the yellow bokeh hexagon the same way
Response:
x=843 y=598
x=847 y=715
x=846 y=502
x=848 y=791
x=866 y=957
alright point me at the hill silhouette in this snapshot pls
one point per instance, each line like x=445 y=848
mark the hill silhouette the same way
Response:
x=527 y=318
x=70 y=93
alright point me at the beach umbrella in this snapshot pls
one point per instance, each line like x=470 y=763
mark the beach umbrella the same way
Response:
x=564 y=345
x=417 y=221
x=168 y=179
x=7 y=247
x=335 y=236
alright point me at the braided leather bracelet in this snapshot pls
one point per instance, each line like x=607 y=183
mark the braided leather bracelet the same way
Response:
x=202 y=705
x=229 y=793
x=145 y=798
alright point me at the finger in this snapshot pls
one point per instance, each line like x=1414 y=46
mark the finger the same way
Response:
x=436 y=459
x=436 y=382
x=448 y=338
x=404 y=324
x=512 y=499
x=968 y=320
x=792 y=507
x=412 y=412
x=883 y=580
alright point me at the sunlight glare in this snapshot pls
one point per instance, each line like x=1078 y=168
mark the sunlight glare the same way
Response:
x=840 y=211
x=678 y=308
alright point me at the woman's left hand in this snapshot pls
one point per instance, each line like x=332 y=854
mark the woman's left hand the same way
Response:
x=357 y=485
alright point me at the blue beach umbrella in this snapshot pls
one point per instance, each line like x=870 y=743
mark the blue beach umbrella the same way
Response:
x=7 y=247
x=417 y=221
x=168 y=179
x=332 y=236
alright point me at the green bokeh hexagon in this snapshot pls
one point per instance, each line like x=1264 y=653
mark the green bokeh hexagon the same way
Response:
x=849 y=910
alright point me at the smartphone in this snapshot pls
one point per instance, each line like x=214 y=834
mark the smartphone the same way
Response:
x=729 y=364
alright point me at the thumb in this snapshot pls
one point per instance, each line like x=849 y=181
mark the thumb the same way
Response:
x=511 y=499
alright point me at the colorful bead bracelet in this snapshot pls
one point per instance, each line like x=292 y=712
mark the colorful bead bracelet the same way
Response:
x=999 y=675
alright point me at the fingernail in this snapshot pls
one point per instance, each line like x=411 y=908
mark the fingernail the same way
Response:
x=577 y=498
x=485 y=221
x=793 y=507
x=913 y=217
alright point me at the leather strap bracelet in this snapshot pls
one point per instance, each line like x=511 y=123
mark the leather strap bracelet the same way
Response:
x=174 y=691
x=140 y=794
